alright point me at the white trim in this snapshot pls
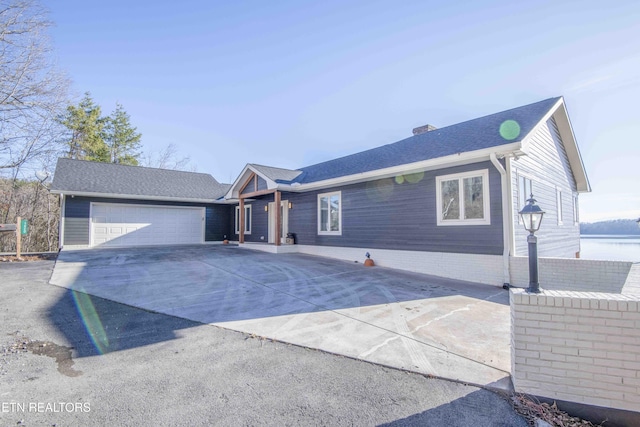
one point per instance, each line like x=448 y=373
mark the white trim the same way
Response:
x=246 y=215
x=421 y=166
x=576 y=209
x=138 y=197
x=202 y=209
x=63 y=207
x=523 y=202
x=330 y=232
x=506 y=219
x=486 y=269
x=234 y=193
x=513 y=212
x=486 y=220
x=559 y=211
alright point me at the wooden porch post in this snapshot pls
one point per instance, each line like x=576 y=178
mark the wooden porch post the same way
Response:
x=278 y=224
x=241 y=221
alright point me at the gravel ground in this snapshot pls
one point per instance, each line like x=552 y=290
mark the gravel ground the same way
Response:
x=170 y=371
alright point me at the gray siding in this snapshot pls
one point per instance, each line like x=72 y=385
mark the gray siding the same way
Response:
x=77 y=211
x=262 y=184
x=251 y=187
x=548 y=168
x=76 y=221
x=386 y=215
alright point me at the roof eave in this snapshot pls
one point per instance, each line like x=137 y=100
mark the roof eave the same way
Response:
x=133 y=196
x=424 y=165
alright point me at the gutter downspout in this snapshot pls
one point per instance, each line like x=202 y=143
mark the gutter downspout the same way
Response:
x=63 y=206
x=506 y=241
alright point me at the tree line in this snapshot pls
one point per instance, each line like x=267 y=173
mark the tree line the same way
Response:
x=40 y=122
x=616 y=226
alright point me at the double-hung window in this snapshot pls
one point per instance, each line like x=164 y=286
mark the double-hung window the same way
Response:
x=247 y=219
x=463 y=199
x=330 y=213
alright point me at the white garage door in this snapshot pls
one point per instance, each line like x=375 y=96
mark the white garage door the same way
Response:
x=139 y=225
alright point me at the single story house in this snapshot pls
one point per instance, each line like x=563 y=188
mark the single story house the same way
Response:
x=443 y=201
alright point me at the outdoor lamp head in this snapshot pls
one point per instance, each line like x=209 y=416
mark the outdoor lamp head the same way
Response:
x=531 y=215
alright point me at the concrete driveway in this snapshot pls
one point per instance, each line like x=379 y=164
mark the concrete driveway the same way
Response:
x=435 y=326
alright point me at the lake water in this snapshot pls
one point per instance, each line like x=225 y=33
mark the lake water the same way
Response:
x=613 y=248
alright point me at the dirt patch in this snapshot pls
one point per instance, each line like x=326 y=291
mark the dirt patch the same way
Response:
x=30 y=257
x=60 y=353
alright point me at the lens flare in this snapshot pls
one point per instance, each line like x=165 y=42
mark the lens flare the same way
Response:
x=509 y=130
x=414 y=178
x=91 y=321
x=399 y=179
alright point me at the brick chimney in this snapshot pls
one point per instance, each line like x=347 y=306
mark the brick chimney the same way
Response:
x=423 y=129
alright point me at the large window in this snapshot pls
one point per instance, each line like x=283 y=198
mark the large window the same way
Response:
x=463 y=199
x=247 y=219
x=330 y=213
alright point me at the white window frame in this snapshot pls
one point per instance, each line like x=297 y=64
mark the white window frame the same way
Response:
x=247 y=219
x=522 y=198
x=576 y=212
x=486 y=209
x=329 y=232
x=559 y=205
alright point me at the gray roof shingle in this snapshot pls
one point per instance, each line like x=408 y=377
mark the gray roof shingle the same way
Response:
x=463 y=137
x=276 y=174
x=80 y=176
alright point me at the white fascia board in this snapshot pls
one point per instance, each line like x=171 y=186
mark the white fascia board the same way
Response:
x=559 y=113
x=233 y=192
x=573 y=152
x=133 y=197
x=424 y=165
x=232 y=189
x=526 y=141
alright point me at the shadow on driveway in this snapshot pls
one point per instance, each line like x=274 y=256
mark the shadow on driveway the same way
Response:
x=441 y=327
x=94 y=325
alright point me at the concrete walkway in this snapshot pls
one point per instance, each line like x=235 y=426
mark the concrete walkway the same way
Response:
x=430 y=325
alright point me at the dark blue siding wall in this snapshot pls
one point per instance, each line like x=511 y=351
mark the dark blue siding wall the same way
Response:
x=259 y=220
x=262 y=184
x=76 y=225
x=386 y=215
x=217 y=222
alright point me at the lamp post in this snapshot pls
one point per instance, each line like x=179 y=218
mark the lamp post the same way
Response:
x=532 y=217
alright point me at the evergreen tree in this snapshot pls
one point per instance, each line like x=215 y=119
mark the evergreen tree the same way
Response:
x=85 y=140
x=122 y=139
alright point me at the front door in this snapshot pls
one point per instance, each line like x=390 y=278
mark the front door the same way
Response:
x=284 y=221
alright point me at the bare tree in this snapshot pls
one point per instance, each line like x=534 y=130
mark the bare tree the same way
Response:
x=168 y=158
x=32 y=91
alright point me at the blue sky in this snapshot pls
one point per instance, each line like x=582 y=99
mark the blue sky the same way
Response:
x=292 y=83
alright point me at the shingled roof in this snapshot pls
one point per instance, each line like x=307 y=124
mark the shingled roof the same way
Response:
x=108 y=179
x=476 y=134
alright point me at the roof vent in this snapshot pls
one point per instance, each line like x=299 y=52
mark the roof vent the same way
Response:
x=423 y=129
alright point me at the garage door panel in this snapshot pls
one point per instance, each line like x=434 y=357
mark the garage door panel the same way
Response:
x=134 y=225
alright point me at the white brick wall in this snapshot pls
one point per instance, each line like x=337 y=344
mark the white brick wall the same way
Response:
x=577 y=346
x=474 y=268
x=571 y=274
